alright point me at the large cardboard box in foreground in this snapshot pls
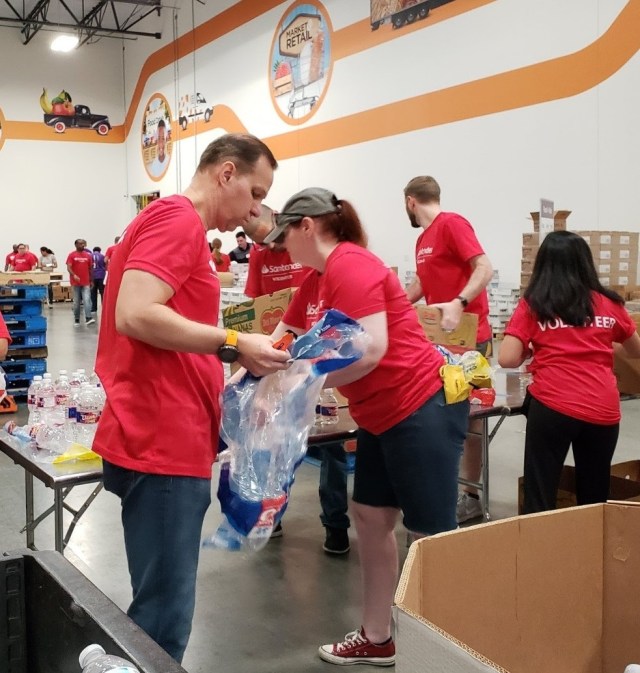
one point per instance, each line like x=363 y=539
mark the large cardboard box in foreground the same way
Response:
x=547 y=593
x=260 y=315
x=463 y=337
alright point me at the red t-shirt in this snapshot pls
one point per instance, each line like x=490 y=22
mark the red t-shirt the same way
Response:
x=4 y=332
x=224 y=264
x=272 y=270
x=359 y=284
x=8 y=260
x=572 y=367
x=81 y=263
x=163 y=412
x=443 y=253
x=24 y=262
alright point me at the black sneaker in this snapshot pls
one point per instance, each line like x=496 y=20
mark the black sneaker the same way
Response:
x=336 y=541
x=277 y=531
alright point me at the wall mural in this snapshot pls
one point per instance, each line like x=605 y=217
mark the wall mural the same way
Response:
x=300 y=63
x=401 y=12
x=191 y=108
x=157 y=143
x=60 y=113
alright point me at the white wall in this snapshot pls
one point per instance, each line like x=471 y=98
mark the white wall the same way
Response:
x=581 y=151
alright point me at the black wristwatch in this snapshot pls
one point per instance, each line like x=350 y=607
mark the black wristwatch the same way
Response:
x=229 y=352
x=463 y=300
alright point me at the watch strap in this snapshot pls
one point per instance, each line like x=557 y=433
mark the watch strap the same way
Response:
x=232 y=338
x=463 y=300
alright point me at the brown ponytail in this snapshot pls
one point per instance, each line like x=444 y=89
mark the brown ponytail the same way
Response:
x=216 y=244
x=345 y=224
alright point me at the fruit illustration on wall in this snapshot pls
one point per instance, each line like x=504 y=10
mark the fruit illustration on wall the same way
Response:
x=60 y=113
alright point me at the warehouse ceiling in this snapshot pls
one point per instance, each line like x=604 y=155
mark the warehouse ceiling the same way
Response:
x=90 y=20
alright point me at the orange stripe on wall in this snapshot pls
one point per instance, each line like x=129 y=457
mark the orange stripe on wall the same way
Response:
x=540 y=83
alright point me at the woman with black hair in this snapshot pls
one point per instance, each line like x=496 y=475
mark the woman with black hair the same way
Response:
x=48 y=263
x=569 y=322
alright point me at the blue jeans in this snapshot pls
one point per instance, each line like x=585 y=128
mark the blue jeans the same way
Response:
x=81 y=292
x=333 y=486
x=162 y=518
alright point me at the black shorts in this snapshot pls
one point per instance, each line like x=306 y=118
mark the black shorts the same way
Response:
x=414 y=465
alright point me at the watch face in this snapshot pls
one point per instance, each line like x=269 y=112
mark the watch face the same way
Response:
x=228 y=353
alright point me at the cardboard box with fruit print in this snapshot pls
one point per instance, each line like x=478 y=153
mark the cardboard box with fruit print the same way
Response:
x=260 y=315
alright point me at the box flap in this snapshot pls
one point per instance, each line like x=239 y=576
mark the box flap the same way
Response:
x=621 y=614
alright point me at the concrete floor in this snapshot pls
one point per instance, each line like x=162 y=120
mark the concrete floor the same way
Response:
x=263 y=613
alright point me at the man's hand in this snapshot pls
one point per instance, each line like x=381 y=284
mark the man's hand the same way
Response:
x=258 y=355
x=451 y=314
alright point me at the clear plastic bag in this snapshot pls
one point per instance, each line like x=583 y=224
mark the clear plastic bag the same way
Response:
x=265 y=424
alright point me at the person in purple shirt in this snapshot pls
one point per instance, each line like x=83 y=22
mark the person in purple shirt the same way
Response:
x=99 y=272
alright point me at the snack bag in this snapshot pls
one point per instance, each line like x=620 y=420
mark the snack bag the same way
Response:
x=265 y=424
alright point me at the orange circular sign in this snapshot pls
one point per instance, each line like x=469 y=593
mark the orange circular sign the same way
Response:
x=300 y=62
x=157 y=139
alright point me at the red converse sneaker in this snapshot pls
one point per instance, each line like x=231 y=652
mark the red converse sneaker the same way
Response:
x=356 y=648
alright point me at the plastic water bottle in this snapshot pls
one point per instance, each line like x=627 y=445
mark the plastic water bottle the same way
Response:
x=25 y=433
x=82 y=373
x=61 y=373
x=87 y=415
x=70 y=415
x=93 y=659
x=46 y=400
x=32 y=401
x=327 y=408
x=75 y=381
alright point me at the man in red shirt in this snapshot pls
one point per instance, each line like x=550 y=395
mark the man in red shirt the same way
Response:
x=109 y=253
x=160 y=346
x=8 y=261
x=79 y=266
x=452 y=273
x=24 y=260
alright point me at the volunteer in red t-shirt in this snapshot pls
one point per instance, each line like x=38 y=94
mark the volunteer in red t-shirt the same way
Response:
x=221 y=261
x=271 y=269
x=79 y=266
x=572 y=323
x=158 y=359
x=24 y=260
x=8 y=260
x=5 y=338
x=452 y=274
x=109 y=253
x=409 y=442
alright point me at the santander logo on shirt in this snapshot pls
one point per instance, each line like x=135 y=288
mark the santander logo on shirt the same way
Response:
x=280 y=268
x=314 y=311
x=603 y=321
x=422 y=253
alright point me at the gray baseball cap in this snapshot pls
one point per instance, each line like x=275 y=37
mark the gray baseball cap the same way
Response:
x=310 y=202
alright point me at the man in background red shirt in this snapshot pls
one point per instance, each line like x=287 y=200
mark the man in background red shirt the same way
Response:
x=109 y=253
x=8 y=261
x=452 y=274
x=79 y=266
x=24 y=260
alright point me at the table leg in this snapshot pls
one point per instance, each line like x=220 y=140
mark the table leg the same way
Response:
x=485 y=441
x=28 y=496
x=58 y=500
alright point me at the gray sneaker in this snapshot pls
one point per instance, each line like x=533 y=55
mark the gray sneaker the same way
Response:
x=90 y=321
x=468 y=507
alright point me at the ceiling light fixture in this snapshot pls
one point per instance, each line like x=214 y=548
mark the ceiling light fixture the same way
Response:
x=64 y=43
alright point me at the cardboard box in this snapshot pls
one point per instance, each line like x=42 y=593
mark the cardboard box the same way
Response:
x=624 y=485
x=260 y=315
x=531 y=239
x=548 y=593
x=559 y=220
x=27 y=277
x=529 y=252
x=464 y=337
x=526 y=266
x=626 y=369
x=226 y=278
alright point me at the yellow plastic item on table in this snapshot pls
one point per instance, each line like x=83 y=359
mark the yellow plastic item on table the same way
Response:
x=76 y=452
x=456 y=387
x=477 y=370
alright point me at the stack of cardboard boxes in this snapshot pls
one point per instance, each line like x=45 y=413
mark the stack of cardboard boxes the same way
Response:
x=531 y=243
x=503 y=299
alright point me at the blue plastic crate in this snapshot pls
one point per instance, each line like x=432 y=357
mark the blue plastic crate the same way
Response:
x=36 y=366
x=19 y=380
x=19 y=307
x=26 y=339
x=23 y=292
x=24 y=323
